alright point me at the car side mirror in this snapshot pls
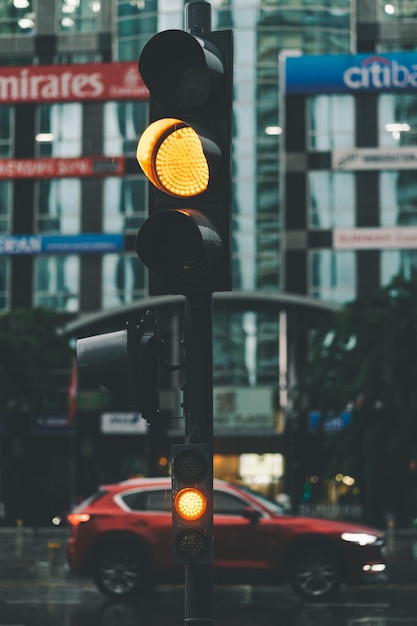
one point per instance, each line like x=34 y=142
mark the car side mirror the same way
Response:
x=251 y=514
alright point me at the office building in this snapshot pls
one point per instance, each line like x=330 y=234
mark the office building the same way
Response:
x=72 y=199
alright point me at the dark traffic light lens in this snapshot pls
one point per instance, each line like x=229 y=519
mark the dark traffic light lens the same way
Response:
x=191 y=544
x=190 y=466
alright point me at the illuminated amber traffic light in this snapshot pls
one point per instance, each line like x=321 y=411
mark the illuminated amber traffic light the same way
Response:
x=192 y=486
x=185 y=153
x=190 y=504
x=171 y=155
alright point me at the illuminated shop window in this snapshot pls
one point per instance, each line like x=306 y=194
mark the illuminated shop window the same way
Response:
x=80 y=16
x=331 y=199
x=57 y=282
x=124 y=204
x=332 y=275
x=5 y=206
x=59 y=130
x=6 y=130
x=123 y=279
x=17 y=17
x=4 y=282
x=58 y=205
x=124 y=122
x=330 y=122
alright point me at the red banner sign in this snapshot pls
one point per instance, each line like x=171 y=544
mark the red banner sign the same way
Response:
x=69 y=83
x=58 y=168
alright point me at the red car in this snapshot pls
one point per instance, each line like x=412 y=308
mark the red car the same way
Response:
x=122 y=537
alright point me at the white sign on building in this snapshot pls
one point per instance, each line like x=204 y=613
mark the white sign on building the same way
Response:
x=123 y=424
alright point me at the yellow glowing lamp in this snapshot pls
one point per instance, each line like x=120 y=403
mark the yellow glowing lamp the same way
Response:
x=170 y=153
x=190 y=504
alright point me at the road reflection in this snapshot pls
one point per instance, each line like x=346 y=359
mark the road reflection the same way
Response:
x=71 y=604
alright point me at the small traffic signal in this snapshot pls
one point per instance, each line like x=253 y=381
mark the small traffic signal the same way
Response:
x=127 y=363
x=192 y=506
x=186 y=154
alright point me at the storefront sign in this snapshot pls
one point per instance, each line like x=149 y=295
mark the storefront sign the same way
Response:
x=60 y=244
x=244 y=408
x=123 y=424
x=374 y=238
x=72 y=83
x=375 y=159
x=59 y=168
x=351 y=73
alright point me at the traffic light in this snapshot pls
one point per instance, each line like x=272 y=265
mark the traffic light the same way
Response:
x=192 y=505
x=127 y=363
x=185 y=153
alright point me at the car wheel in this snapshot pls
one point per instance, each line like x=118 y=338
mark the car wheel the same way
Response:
x=314 y=573
x=120 y=571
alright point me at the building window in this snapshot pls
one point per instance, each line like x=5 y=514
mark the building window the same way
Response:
x=124 y=204
x=59 y=205
x=6 y=131
x=4 y=281
x=332 y=275
x=124 y=122
x=59 y=132
x=330 y=122
x=331 y=199
x=394 y=262
x=5 y=205
x=398 y=198
x=80 y=16
x=123 y=279
x=17 y=18
x=396 y=9
x=397 y=120
x=57 y=281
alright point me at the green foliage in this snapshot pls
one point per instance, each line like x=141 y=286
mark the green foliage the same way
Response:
x=31 y=353
x=366 y=360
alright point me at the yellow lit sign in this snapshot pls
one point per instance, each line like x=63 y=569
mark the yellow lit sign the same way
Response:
x=171 y=155
x=190 y=504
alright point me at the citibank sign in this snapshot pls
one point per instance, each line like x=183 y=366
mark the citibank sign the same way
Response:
x=353 y=72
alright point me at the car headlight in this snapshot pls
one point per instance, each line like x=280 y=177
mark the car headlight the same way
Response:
x=363 y=539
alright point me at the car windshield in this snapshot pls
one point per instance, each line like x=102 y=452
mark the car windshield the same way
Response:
x=273 y=507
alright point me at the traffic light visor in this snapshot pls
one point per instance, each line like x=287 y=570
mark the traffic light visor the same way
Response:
x=180 y=246
x=170 y=152
x=182 y=70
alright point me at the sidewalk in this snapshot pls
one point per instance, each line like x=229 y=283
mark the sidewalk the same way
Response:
x=40 y=553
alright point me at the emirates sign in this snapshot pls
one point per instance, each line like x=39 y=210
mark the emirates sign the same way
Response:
x=67 y=83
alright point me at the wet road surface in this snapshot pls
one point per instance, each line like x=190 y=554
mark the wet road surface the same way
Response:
x=77 y=603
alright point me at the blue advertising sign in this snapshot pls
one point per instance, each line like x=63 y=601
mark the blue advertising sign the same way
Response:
x=351 y=72
x=60 y=244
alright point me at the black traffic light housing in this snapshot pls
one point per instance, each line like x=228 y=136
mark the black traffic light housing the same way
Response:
x=127 y=363
x=185 y=242
x=192 y=522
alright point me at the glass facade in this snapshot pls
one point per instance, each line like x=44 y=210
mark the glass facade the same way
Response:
x=57 y=282
x=59 y=130
x=80 y=16
x=332 y=275
x=123 y=278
